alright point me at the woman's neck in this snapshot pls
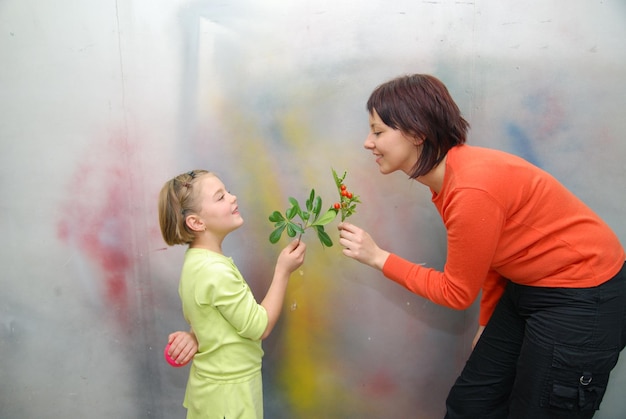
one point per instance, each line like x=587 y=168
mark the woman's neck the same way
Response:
x=434 y=178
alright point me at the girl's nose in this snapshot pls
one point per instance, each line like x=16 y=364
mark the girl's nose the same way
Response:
x=368 y=143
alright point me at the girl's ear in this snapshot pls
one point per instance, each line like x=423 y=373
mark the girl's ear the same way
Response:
x=195 y=223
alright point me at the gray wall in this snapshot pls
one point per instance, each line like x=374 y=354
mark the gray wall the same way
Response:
x=102 y=101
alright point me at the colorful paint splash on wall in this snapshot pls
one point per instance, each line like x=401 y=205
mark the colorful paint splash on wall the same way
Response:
x=96 y=221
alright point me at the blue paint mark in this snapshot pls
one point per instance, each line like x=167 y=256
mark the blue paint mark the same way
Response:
x=535 y=103
x=522 y=144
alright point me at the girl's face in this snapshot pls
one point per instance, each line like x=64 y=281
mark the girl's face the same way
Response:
x=392 y=149
x=219 y=210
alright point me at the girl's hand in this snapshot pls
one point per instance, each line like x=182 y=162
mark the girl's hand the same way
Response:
x=291 y=257
x=183 y=346
x=359 y=245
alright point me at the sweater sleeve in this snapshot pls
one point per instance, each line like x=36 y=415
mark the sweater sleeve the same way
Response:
x=230 y=294
x=473 y=221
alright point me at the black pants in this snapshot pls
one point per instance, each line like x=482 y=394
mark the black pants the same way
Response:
x=545 y=353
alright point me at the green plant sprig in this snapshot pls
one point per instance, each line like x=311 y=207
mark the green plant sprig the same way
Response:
x=347 y=200
x=309 y=216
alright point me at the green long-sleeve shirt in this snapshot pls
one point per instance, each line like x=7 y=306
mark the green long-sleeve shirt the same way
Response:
x=226 y=319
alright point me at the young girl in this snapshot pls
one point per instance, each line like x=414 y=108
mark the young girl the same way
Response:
x=225 y=376
x=553 y=309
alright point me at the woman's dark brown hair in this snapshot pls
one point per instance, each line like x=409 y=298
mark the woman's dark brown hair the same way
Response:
x=421 y=107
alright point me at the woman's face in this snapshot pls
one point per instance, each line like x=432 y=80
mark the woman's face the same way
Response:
x=391 y=148
x=219 y=210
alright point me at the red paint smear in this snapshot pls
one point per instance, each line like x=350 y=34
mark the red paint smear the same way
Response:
x=100 y=226
x=380 y=384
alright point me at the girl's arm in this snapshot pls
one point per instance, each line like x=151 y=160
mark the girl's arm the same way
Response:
x=290 y=259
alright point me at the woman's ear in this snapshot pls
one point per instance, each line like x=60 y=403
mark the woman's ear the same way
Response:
x=415 y=139
x=195 y=223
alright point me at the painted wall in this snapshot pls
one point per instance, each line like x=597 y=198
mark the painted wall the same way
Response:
x=103 y=101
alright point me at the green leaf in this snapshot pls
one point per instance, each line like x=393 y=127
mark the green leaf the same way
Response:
x=323 y=236
x=298 y=228
x=326 y=218
x=317 y=206
x=291 y=212
x=338 y=180
x=295 y=208
x=275 y=236
x=309 y=202
x=291 y=231
x=280 y=223
x=294 y=202
x=276 y=216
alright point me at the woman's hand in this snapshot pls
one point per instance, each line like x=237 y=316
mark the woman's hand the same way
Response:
x=478 y=333
x=359 y=245
x=183 y=346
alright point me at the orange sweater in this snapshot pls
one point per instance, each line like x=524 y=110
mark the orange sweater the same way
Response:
x=506 y=218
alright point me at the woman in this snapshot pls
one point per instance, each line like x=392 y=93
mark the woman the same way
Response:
x=553 y=308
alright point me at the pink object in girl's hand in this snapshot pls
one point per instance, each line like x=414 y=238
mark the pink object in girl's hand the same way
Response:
x=169 y=359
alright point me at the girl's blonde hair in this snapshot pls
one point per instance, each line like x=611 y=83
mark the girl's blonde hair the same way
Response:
x=178 y=199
